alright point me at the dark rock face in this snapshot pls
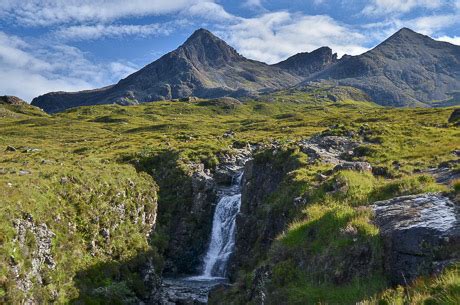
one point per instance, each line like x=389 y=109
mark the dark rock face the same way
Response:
x=191 y=224
x=256 y=228
x=408 y=69
x=305 y=64
x=11 y=100
x=421 y=235
x=455 y=117
x=204 y=66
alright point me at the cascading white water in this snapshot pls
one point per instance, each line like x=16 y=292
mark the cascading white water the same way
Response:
x=223 y=231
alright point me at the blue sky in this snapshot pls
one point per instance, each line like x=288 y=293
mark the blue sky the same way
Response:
x=69 y=45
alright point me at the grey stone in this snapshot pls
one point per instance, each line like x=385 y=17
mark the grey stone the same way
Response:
x=420 y=234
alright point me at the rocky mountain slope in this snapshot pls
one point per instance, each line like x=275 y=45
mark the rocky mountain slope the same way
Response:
x=407 y=69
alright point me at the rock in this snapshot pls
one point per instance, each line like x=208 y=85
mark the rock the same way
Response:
x=39 y=253
x=10 y=148
x=354 y=166
x=64 y=180
x=256 y=224
x=421 y=235
x=328 y=149
x=24 y=172
x=30 y=150
x=229 y=134
x=455 y=117
x=11 y=100
x=258 y=293
x=189 y=99
x=105 y=233
x=381 y=171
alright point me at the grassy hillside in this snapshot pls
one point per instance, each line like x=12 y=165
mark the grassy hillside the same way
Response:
x=74 y=172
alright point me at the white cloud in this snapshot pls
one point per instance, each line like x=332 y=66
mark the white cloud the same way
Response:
x=452 y=40
x=83 y=32
x=28 y=71
x=430 y=24
x=209 y=11
x=49 y=12
x=382 y=7
x=273 y=37
x=253 y=2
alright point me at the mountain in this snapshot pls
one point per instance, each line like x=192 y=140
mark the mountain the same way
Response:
x=304 y=64
x=407 y=69
x=204 y=66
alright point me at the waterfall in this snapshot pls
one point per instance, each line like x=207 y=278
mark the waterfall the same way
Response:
x=223 y=231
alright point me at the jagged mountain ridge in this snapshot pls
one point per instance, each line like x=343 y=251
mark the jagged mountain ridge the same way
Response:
x=204 y=66
x=304 y=64
x=407 y=69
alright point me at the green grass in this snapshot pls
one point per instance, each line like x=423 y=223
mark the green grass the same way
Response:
x=112 y=155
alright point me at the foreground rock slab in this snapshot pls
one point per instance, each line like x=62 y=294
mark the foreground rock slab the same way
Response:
x=421 y=235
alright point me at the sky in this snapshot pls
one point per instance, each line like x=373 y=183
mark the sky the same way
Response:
x=71 y=45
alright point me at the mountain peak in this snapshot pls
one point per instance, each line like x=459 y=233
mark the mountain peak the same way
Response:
x=207 y=48
x=406 y=35
x=201 y=34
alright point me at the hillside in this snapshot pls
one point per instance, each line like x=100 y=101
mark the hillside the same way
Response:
x=99 y=202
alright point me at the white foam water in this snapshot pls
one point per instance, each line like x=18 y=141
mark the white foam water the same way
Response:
x=223 y=232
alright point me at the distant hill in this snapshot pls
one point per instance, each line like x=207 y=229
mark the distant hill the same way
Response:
x=407 y=69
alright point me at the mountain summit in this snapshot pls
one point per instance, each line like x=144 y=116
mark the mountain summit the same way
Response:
x=407 y=69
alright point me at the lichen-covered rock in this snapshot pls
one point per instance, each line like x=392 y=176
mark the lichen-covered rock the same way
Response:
x=421 y=235
x=328 y=149
x=35 y=240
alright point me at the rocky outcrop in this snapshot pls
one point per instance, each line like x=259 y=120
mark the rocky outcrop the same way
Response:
x=191 y=223
x=34 y=239
x=328 y=149
x=11 y=100
x=257 y=224
x=421 y=235
x=454 y=117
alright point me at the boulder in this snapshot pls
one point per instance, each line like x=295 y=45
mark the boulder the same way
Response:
x=421 y=235
x=354 y=166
